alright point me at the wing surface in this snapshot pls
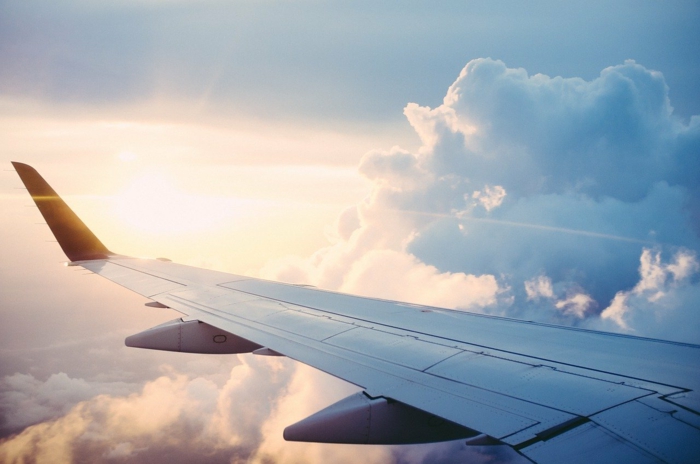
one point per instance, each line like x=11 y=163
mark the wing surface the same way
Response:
x=553 y=393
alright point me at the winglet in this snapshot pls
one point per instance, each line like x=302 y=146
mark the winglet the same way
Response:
x=77 y=241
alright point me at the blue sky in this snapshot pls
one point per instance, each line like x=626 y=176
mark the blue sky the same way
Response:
x=534 y=160
x=338 y=60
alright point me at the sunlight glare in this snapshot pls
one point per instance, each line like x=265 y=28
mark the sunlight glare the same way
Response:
x=127 y=156
x=152 y=203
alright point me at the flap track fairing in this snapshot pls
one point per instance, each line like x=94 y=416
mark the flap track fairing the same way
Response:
x=190 y=337
x=360 y=419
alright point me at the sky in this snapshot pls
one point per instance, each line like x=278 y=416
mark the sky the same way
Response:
x=536 y=160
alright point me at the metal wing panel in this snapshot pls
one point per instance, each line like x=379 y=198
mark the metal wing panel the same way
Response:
x=586 y=444
x=375 y=382
x=572 y=393
x=401 y=349
x=687 y=399
x=139 y=282
x=299 y=323
x=669 y=363
x=645 y=430
x=254 y=308
x=168 y=270
x=653 y=427
x=213 y=296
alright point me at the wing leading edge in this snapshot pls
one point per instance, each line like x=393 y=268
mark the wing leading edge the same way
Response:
x=428 y=374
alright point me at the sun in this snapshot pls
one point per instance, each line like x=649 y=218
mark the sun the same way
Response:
x=153 y=203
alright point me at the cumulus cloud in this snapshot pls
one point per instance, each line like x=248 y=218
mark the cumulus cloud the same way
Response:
x=539 y=287
x=576 y=305
x=532 y=196
x=656 y=290
x=25 y=400
x=394 y=275
x=490 y=197
x=174 y=417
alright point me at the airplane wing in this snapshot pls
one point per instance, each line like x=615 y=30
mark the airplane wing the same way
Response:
x=555 y=394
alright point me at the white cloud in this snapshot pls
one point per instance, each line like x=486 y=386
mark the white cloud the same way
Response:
x=594 y=171
x=654 y=291
x=616 y=311
x=395 y=275
x=187 y=416
x=539 y=287
x=576 y=305
x=180 y=418
x=490 y=197
x=685 y=264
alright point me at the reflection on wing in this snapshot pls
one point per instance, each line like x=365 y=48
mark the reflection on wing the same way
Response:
x=555 y=394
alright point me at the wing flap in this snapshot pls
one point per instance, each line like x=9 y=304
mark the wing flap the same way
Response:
x=576 y=394
x=645 y=430
x=651 y=425
x=586 y=444
x=689 y=400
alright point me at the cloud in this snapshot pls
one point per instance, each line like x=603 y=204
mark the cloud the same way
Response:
x=25 y=400
x=612 y=136
x=531 y=196
x=490 y=197
x=395 y=275
x=656 y=292
x=539 y=287
x=174 y=417
x=576 y=305
x=188 y=418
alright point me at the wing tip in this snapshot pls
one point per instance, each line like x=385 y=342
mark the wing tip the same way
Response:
x=21 y=166
x=75 y=238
